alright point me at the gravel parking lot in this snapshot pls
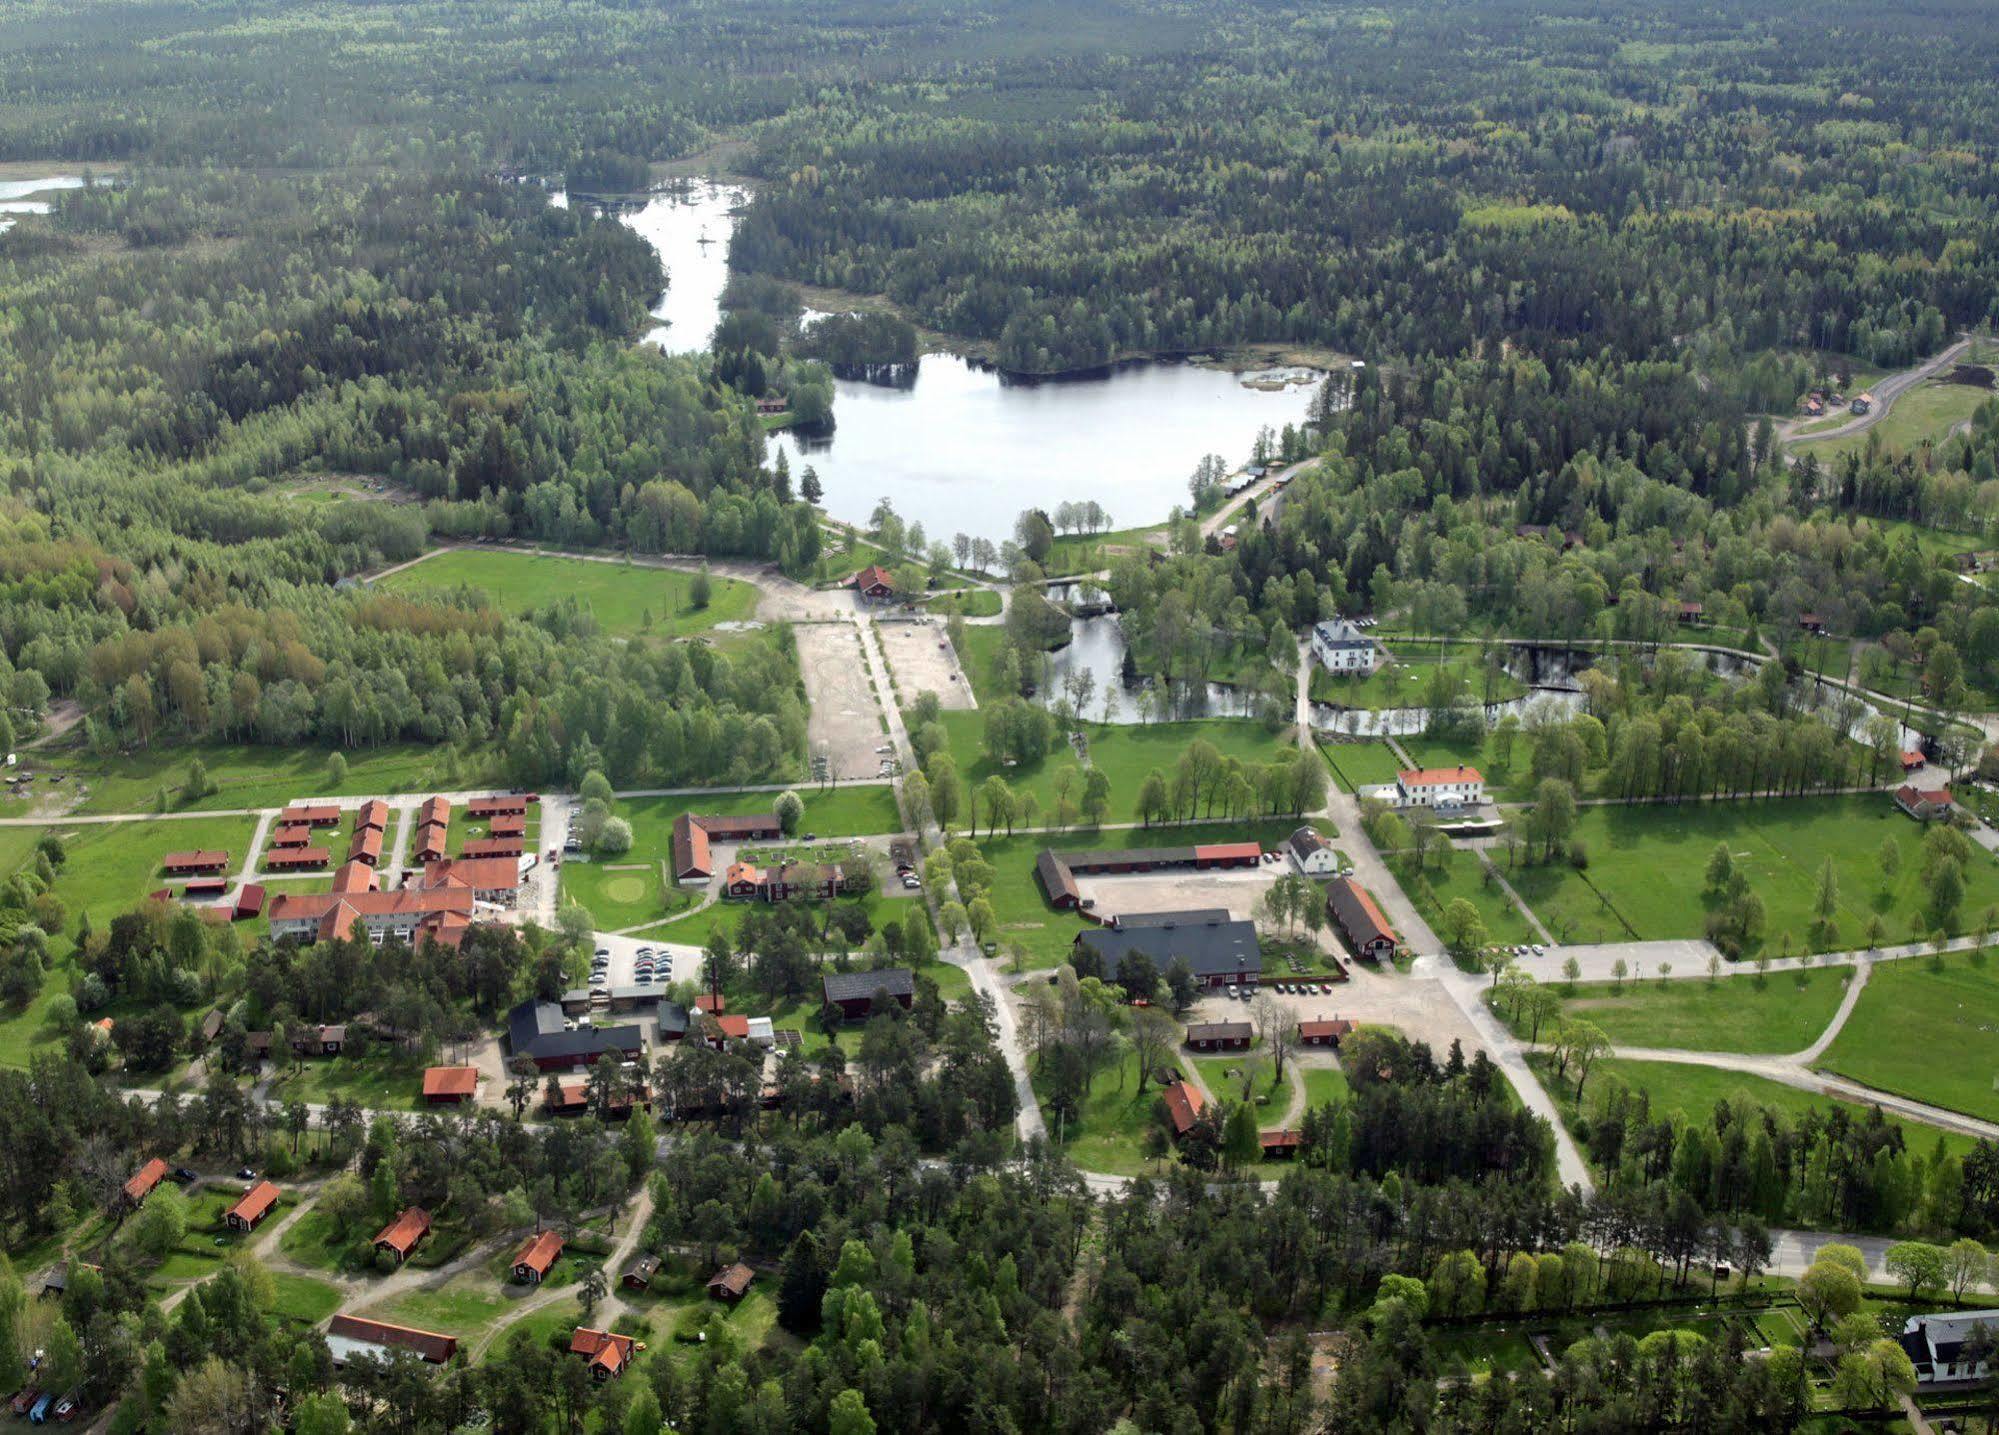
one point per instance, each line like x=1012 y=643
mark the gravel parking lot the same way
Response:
x=1239 y=890
x=845 y=725
x=925 y=662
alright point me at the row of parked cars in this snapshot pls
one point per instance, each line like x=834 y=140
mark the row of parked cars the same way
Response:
x=42 y=1406
x=1289 y=989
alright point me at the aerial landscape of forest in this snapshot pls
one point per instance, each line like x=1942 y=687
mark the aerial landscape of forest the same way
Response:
x=911 y=715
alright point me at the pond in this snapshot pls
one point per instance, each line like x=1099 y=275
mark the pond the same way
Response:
x=14 y=192
x=962 y=448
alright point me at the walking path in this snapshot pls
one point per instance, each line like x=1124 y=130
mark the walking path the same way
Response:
x=1526 y=912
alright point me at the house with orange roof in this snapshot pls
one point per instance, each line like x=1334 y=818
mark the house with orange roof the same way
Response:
x=450 y=1085
x=537 y=1258
x=255 y=1205
x=144 y=1180
x=1439 y=787
x=608 y=1354
x=402 y=1235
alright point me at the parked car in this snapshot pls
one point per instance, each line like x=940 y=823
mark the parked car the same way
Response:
x=38 y=1413
x=603 y=951
x=245 y=1173
x=186 y=1176
x=1231 y=992
x=25 y=1401
x=66 y=1409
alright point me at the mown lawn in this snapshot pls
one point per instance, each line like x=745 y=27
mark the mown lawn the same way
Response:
x=621 y=893
x=1361 y=764
x=1647 y=870
x=1928 y=1034
x=303 y=1299
x=1693 y=1091
x=1460 y=874
x=463 y=1306
x=971 y=602
x=1783 y=1012
x=627 y=599
x=1404 y=678
x=384 y=1080
x=1109 y=1130
x=1124 y=752
x=1323 y=1084
x=311 y=1241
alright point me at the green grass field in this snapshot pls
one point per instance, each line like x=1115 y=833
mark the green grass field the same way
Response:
x=1693 y=1090
x=695 y=929
x=627 y=599
x=1460 y=874
x=304 y=1300
x=1360 y=764
x=382 y=1081
x=310 y=1241
x=1125 y=753
x=1926 y=1034
x=1403 y=681
x=1323 y=1084
x=110 y=868
x=463 y=1306
x=252 y=776
x=1780 y=1013
x=1923 y=414
x=1647 y=865
x=1108 y=1133
x=971 y=602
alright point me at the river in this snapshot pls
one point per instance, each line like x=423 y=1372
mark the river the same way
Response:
x=961 y=448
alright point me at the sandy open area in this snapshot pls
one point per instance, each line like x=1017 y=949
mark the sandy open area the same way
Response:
x=924 y=661
x=845 y=726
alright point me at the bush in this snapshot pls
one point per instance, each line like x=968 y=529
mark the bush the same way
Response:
x=790 y=809
x=614 y=837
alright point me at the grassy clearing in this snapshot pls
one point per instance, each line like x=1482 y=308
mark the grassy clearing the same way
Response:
x=381 y=1081
x=1404 y=680
x=1360 y=764
x=1781 y=1013
x=1461 y=875
x=250 y=776
x=463 y=1306
x=622 y=893
x=971 y=602
x=1928 y=1031
x=111 y=867
x=312 y=1241
x=1923 y=415
x=695 y=929
x=303 y=1299
x=1087 y=553
x=1125 y=753
x=1109 y=1131
x=627 y=599
x=1693 y=1091
x=1647 y=865
x=1323 y=1084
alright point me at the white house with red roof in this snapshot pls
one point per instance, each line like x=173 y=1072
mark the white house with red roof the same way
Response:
x=1440 y=787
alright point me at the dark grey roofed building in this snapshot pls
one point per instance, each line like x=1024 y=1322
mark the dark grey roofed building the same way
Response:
x=536 y=1030
x=854 y=992
x=673 y=1021
x=1217 y=952
x=1192 y=916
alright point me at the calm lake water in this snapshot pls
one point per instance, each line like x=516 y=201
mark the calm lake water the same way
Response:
x=963 y=449
x=13 y=190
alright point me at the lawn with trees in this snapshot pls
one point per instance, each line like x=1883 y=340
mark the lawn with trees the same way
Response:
x=1782 y=1012
x=626 y=600
x=1928 y=1029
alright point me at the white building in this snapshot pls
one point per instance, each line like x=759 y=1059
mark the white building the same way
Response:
x=1941 y=1347
x=1313 y=853
x=1340 y=647
x=1440 y=787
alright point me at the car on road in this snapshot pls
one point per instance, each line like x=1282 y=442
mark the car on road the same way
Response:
x=245 y=1173
x=186 y=1176
x=603 y=951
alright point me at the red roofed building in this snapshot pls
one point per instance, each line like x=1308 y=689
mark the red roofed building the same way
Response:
x=249 y=900
x=1184 y=1105
x=1280 y=1145
x=296 y=859
x=493 y=847
x=450 y=1085
x=1323 y=1033
x=691 y=859
x=255 y=1205
x=296 y=834
x=488 y=879
x=348 y=1336
x=1912 y=759
x=187 y=864
x=430 y=844
x=1440 y=787
x=537 y=1258
x=434 y=810
x=483 y=807
x=508 y=824
x=1360 y=921
x=318 y=815
x=405 y=914
x=1228 y=854
x=731 y=1283
x=374 y=813
x=143 y=1180
x=730 y=1028
x=608 y=1354
x=404 y=1233
x=366 y=846
x=874 y=583
x=1923 y=806
x=355 y=877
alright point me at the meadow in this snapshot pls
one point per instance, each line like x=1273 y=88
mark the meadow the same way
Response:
x=1928 y=1030
x=1646 y=877
x=626 y=599
x=1781 y=1013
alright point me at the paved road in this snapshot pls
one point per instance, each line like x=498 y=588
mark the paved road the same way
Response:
x=1885 y=394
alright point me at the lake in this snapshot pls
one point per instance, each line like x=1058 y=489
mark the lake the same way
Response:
x=13 y=194
x=961 y=448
